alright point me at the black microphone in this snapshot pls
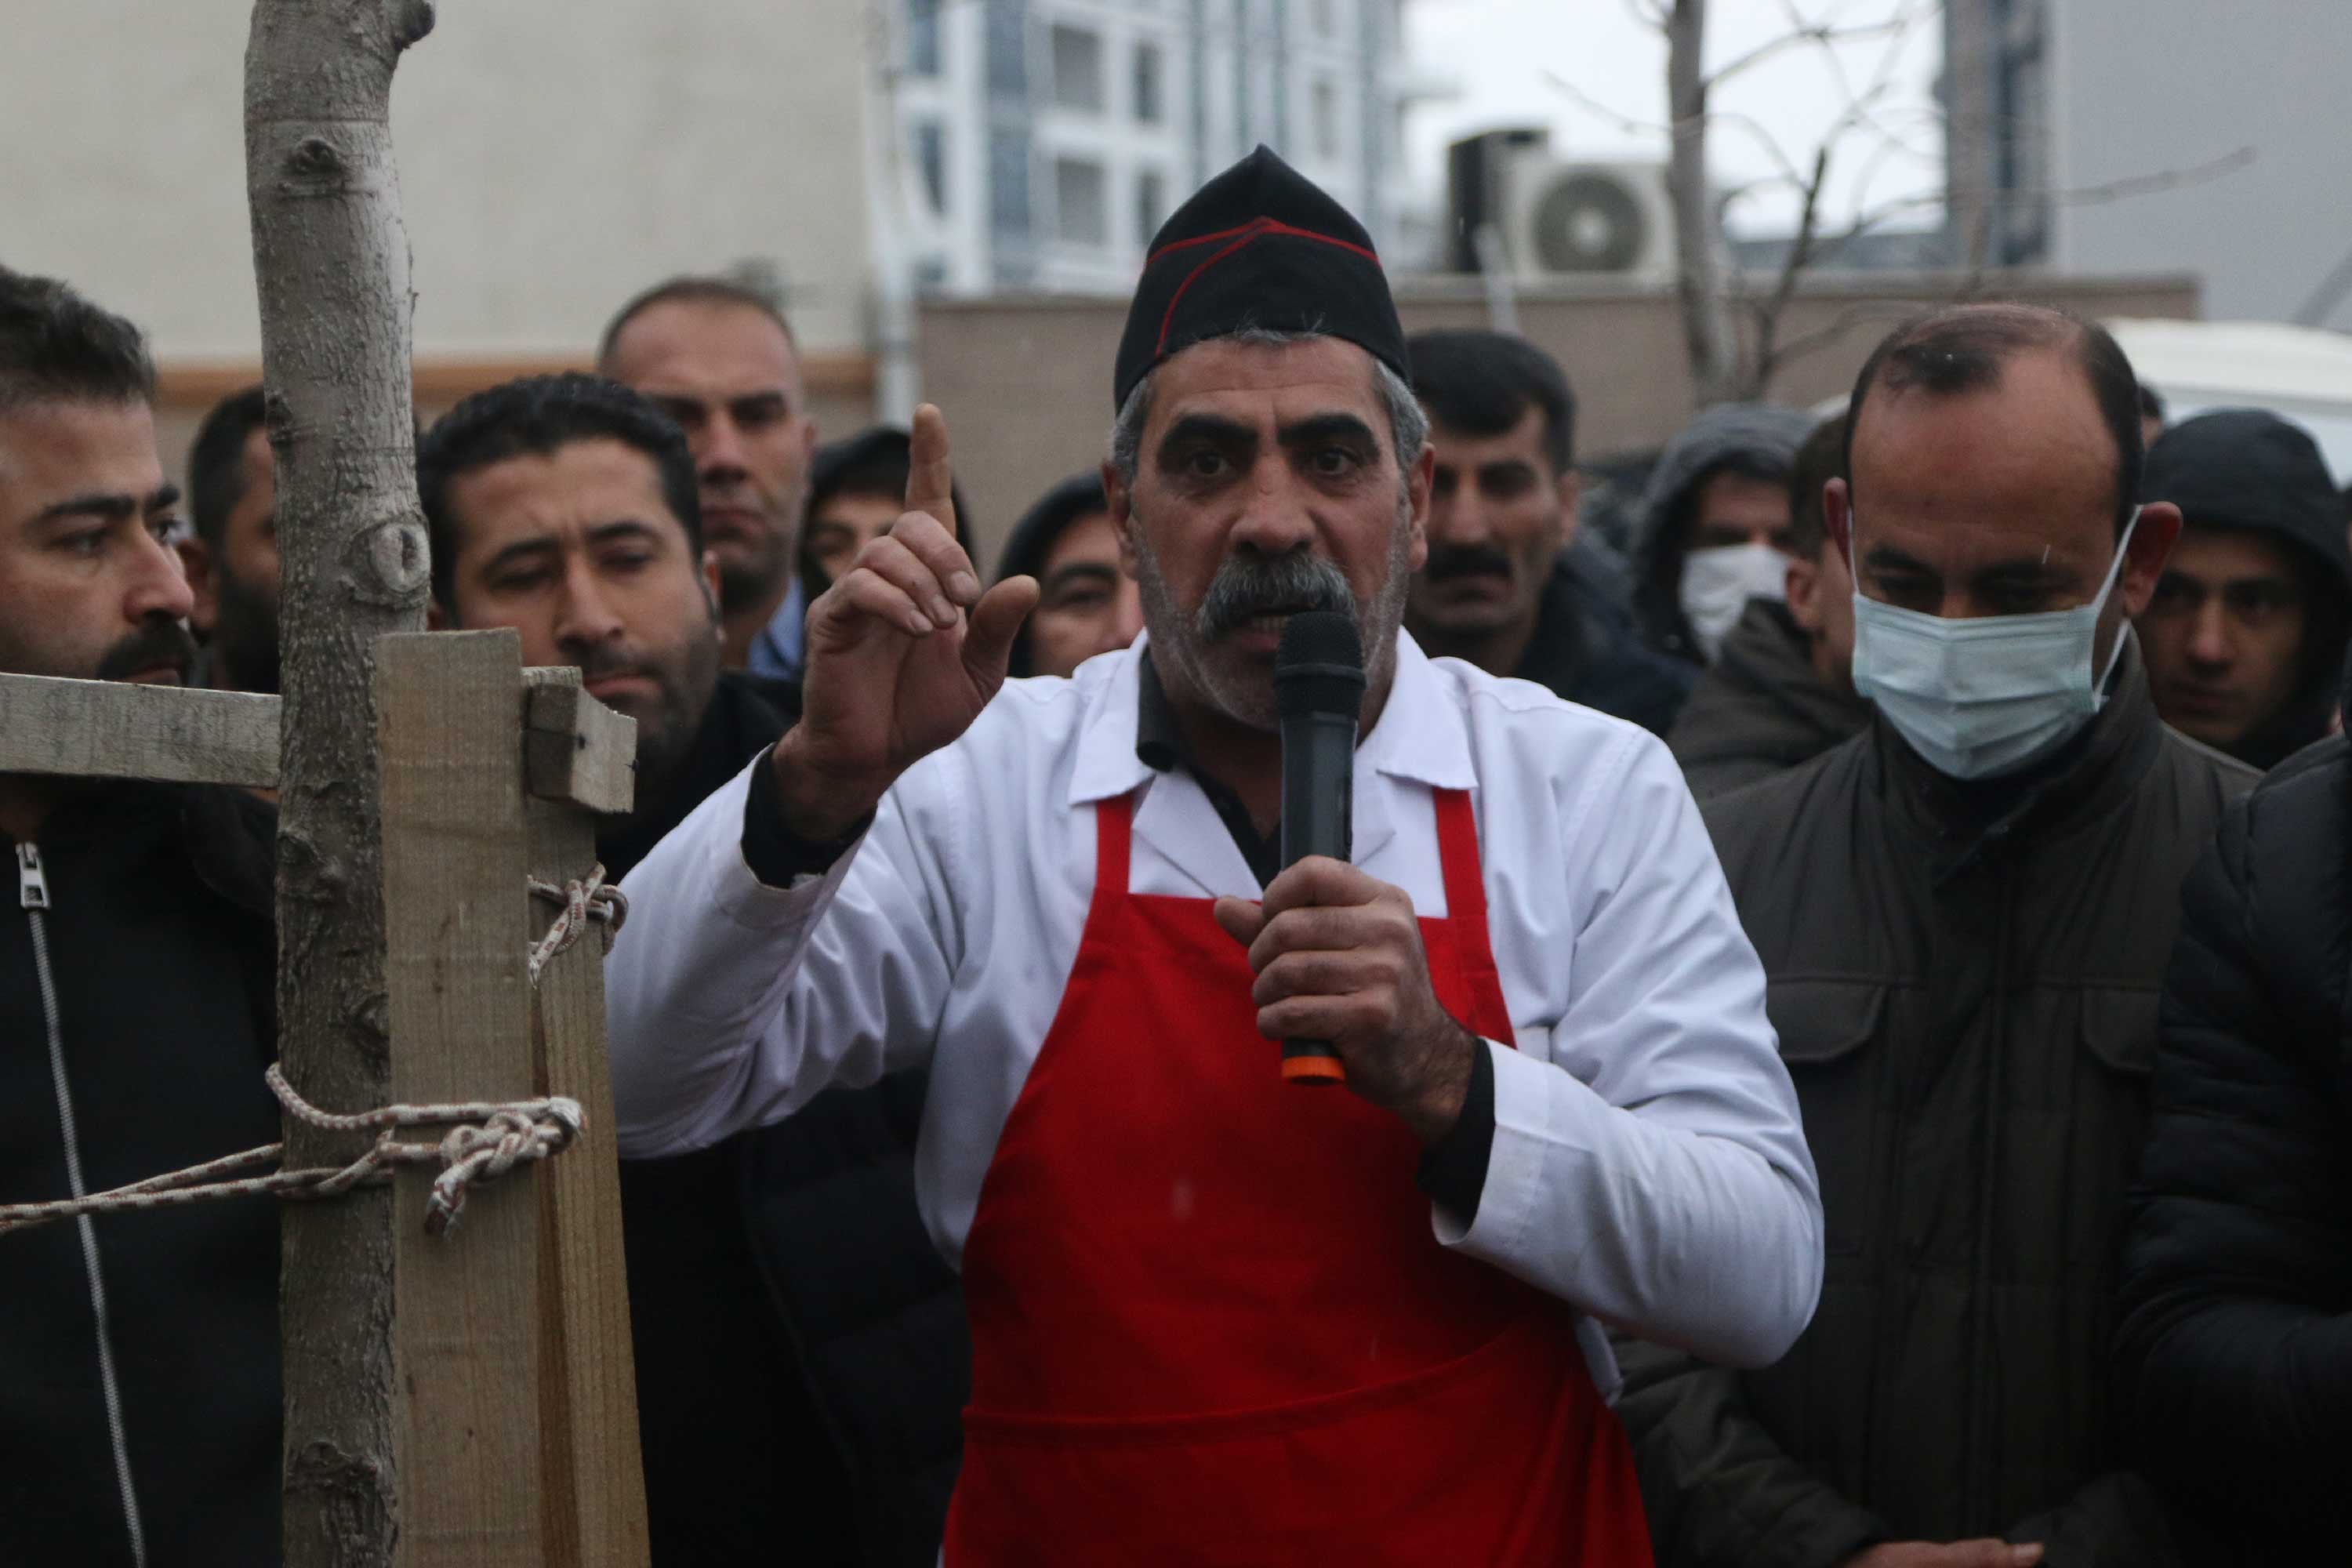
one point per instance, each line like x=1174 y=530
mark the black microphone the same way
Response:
x=1318 y=690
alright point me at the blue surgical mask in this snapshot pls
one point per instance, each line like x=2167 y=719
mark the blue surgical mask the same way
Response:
x=1978 y=698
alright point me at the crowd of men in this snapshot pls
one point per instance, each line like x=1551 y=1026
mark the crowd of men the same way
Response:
x=1975 y=684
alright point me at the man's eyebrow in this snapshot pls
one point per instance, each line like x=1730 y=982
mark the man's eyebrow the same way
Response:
x=1207 y=428
x=1075 y=571
x=1322 y=427
x=167 y=496
x=1887 y=558
x=537 y=544
x=621 y=528
x=2020 y=573
x=102 y=505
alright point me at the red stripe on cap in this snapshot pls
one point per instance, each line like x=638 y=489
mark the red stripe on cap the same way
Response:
x=1256 y=228
x=1261 y=226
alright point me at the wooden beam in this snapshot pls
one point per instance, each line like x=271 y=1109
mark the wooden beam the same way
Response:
x=594 y=1504
x=466 y=1314
x=575 y=748
x=113 y=729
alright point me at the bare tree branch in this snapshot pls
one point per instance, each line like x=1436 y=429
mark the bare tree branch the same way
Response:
x=1766 y=359
x=1824 y=34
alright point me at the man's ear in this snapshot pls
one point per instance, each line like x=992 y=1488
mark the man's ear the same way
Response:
x=1803 y=590
x=710 y=577
x=1837 y=513
x=203 y=582
x=1418 y=485
x=1121 y=504
x=2151 y=546
x=437 y=619
x=1571 y=496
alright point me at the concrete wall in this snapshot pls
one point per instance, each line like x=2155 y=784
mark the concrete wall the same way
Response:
x=1026 y=381
x=555 y=156
x=2140 y=87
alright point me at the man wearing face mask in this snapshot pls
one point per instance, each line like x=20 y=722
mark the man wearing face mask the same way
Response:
x=1713 y=530
x=1965 y=914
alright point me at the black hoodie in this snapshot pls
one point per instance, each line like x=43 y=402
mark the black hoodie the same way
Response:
x=2247 y=468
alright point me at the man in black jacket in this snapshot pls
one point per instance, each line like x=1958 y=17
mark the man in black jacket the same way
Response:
x=2234 y=1351
x=2245 y=637
x=1781 y=691
x=800 y=1346
x=1964 y=914
x=139 y=1387
x=1508 y=585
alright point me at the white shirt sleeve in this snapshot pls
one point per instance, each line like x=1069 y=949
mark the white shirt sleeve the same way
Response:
x=1649 y=1165
x=731 y=1003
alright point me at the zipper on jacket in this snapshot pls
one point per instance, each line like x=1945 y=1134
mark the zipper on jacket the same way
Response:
x=33 y=892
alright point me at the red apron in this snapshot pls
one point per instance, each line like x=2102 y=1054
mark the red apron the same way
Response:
x=1210 y=1322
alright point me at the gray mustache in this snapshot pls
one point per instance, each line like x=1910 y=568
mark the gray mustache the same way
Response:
x=1247 y=586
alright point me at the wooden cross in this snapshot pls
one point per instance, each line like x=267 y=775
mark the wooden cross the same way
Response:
x=514 y=1394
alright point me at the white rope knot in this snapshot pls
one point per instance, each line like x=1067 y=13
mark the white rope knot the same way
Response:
x=589 y=899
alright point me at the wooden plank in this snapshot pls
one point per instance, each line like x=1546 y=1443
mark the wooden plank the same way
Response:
x=113 y=729
x=466 y=1305
x=575 y=748
x=595 y=1495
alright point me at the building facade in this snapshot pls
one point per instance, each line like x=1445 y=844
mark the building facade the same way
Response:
x=1040 y=143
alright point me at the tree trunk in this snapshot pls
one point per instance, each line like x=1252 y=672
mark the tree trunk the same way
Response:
x=1702 y=278
x=332 y=262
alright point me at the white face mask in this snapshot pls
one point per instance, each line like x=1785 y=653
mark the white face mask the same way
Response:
x=1978 y=698
x=1719 y=583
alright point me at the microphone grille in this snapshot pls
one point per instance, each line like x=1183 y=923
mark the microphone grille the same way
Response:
x=1325 y=638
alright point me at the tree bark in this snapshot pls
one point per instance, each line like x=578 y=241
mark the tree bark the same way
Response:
x=1702 y=278
x=332 y=262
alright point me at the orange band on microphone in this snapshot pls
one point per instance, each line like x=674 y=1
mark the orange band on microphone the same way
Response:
x=1314 y=1069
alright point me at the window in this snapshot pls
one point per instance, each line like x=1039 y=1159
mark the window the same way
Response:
x=1077 y=69
x=1150 y=206
x=923 y=37
x=1008 y=51
x=1008 y=185
x=931 y=161
x=1326 y=110
x=1080 y=203
x=1147 y=108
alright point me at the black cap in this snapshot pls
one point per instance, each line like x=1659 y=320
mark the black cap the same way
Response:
x=2247 y=468
x=1260 y=245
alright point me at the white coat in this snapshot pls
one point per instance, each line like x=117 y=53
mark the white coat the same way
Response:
x=1648 y=1165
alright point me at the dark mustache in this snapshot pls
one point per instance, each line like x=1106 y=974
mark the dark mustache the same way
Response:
x=158 y=641
x=1464 y=560
x=1247 y=586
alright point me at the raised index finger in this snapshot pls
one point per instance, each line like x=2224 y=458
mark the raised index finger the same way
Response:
x=930 y=477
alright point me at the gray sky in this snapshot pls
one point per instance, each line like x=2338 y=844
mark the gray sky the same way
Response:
x=1496 y=55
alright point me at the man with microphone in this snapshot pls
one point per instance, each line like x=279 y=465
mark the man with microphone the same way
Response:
x=1221 y=1313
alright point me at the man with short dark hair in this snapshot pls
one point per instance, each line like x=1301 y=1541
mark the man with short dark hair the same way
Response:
x=1712 y=531
x=719 y=358
x=1964 y=914
x=857 y=487
x=782 y=1393
x=2245 y=637
x=1087 y=601
x=232 y=559
x=141 y=1419
x=1505 y=586
x=1781 y=691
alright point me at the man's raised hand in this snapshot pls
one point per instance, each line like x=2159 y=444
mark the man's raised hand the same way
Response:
x=903 y=653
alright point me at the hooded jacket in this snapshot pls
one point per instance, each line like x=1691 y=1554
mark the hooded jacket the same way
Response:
x=2234 y=1352
x=139 y=1363
x=1963 y=979
x=1761 y=708
x=1724 y=432
x=2247 y=468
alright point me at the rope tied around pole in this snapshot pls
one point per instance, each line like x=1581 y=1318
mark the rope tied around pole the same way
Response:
x=488 y=1138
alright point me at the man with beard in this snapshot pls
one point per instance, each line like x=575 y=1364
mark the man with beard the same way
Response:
x=1965 y=912
x=1507 y=586
x=1781 y=691
x=139 y=1353
x=565 y=507
x=233 y=561
x=1212 y=1319
x=719 y=358
x=2245 y=637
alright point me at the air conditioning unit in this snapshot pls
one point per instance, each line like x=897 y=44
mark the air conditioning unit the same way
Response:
x=1588 y=219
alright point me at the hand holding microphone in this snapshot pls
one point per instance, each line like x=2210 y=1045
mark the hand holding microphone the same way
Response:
x=1342 y=979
